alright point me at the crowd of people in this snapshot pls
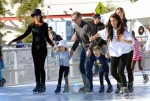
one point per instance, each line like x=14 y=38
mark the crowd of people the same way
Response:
x=116 y=37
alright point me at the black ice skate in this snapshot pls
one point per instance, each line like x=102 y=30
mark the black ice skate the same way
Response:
x=42 y=88
x=101 y=89
x=110 y=89
x=2 y=82
x=130 y=87
x=119 y=85
x=36 y=89
x=66 y=89
x=58 y=89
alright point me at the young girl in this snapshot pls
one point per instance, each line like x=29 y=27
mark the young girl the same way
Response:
x=127 y=26
x=64 y=57
x=137 y=56
x=102 y=63
x=2 y=80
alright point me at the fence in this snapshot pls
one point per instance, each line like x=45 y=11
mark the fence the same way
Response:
x=19 y=67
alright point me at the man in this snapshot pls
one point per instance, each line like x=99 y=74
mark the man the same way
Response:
x=97 y=25
x=52 y=34
x=87 y=57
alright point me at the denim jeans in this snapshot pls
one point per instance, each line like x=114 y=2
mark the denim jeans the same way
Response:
x=85 y=67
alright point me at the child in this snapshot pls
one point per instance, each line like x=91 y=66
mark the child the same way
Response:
x=64 y=57
x=137 y=56
x=2 y=80
x=101 y=62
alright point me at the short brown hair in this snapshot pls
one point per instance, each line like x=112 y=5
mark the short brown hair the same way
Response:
x=96 y=47
x=78 y=14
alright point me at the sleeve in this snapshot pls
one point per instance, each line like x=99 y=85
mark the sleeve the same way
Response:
x=129 y=26
x=47 y=35
x=128 y=37
x=75 y=45
x=103 y=34
x=27 y=32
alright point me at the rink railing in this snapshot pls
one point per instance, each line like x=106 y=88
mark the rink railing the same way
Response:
x=19 y=67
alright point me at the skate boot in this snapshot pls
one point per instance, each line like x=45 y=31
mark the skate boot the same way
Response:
x=58 y=89
x=145 y=78
x=126 y=92
x=81 y=90
x=110 y=89
x=2 y=82
x=130 y=87
x=66 y=89
x=36 y=89
x=42 y=88
x=101 y=89
x=118 y=88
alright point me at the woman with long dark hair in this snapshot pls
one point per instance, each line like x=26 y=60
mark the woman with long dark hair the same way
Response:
x=40 y=35
x=119 y=41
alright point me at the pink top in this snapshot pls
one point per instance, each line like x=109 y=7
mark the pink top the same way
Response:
x=137 y=55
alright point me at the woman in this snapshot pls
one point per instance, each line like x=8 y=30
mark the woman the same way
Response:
x=127 y=26
x=118 y=48
x=39 y=31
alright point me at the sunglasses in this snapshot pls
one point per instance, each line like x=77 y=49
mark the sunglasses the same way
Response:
x=74 y=19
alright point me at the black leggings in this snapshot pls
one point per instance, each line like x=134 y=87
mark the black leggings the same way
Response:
x=63 y=70
x=39 y=56
x=117 y=68
x=129 y=68
x=106 y=74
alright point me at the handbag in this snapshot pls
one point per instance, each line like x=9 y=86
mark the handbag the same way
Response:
x=1 y=63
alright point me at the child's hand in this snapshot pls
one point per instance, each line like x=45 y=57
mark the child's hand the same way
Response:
x=107 y=55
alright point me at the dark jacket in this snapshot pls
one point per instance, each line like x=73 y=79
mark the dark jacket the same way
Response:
x=104 y=63
x=94 y=29
x=39 y=34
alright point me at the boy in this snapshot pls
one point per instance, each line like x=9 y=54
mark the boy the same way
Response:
x=102 y=63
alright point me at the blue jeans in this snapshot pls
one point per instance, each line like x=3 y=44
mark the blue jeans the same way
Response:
x=85 y=67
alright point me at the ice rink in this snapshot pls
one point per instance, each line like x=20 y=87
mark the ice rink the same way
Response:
x=24 y=92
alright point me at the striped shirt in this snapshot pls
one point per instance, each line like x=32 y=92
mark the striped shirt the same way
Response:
x=137 y=55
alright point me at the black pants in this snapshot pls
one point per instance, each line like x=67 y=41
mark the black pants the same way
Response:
x=106 y=74
x=39 y=55
x=128 y=67
x=117 y=68
x=63 y=70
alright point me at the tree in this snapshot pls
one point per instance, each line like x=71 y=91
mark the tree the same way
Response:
x=2 y=10
x=133 y=1
x=24 y=11
x=109 y=7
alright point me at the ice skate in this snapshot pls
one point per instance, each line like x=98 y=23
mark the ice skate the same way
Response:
x=145 y=78
x=130 y=87
x=66 y=89
x=36 y=89
x=2 y=82
x=42 y=88
x=110 y=89
x=125 y=92
x=58 y=89
x=102 y=89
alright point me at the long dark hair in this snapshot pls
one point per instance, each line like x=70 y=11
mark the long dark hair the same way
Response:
x=124 y=20
x=109 y=27
x=141 y=28
x=40 y=22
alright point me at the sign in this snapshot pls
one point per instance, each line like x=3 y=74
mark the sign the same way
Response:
x=100 y=9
